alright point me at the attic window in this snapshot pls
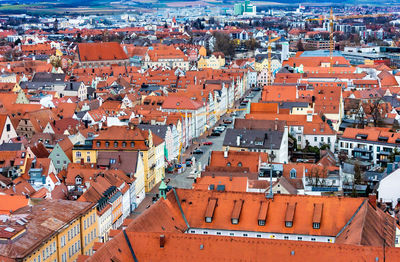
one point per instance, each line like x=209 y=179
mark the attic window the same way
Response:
x=293 y=173
x=98 y=143
x=123 y=144
x=228 y=164
x=240 y=164
x=115 y=144
x=78 y=180
x=132 y=144
x=107 y=144
x=316 y=225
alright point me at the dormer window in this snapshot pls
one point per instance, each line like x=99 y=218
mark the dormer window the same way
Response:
x=115 y=144
x=228 y=164
x=132 y=144
x=288 y=224
x=98 y=144
x=240 y=164
x=316 y=225
x=78 y=180
x=107 y=144
x=123 y=144
x=293 y=173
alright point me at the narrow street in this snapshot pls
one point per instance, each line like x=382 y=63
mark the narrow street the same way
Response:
x=185 y=179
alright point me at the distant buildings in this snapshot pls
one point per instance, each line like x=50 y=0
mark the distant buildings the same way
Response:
x=245 y=9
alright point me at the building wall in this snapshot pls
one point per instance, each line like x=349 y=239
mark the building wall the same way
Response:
x=90 y=229
x=8 y=132
x=78 y=154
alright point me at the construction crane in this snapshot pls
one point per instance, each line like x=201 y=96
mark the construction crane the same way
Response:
x=333 y=18
x=201 y=114
x=270 y=57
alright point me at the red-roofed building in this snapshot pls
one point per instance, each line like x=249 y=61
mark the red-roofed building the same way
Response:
x=101 y=54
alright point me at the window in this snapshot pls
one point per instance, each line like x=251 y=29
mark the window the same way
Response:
x=115 y=144
x=261 y=222
x=245 y=235
x=293 y=173
x=240 y=164
x=288 y=223
x=205 y=232
x=132 y=144
x=231 y=234
x=286 y=237
x=8 y=126
x=218 y=233
x=315 y=139
x=316 y=225
x=123 y=144
x=313 y=239
x=192 y=231
x=88 y=159
x=258 y=235
x=299 y=238
x=98 y=143
x=208 y=219
x=78 y=181
x=322 y=139
x=78 y=154
x=228 y=164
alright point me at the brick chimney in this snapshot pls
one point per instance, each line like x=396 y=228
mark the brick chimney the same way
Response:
x=372 y=200
x=162 y=241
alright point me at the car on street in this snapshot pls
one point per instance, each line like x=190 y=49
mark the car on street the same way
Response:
x=221 y=128
x=208 y=143
x=234 y=114
x=198 y=151
x=188 y=162
x=227 y=121
x=215 y=134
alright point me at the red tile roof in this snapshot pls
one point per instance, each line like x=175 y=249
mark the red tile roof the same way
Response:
x=101 y=51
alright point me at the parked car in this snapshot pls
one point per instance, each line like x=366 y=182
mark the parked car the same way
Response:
x=198 y=151
x=208 y=143
x=228 y=121
x=188 y=162
x=215 y=134
x=221 y=128
x=256 y=89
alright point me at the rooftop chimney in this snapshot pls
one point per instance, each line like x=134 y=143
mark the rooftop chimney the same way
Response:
x=238 y=140
x=372 y=200
x=162 y=241
x=309 y=117
x=226 y=153
x=276 y=124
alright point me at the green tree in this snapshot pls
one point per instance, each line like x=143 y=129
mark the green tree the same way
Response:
x=224 y=44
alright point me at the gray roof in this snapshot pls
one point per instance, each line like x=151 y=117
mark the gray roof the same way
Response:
x=48 y=77
x=159 y=130
x=254 y=139
x=11 y=147
x=74 y=86
x=122 y=160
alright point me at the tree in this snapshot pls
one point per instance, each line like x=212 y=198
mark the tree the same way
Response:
x=224 y=44
x=357 y=174
x=300 y=46
x=317 y=176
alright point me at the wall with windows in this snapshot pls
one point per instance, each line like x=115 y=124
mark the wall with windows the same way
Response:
x=88 y=156
x=90 y=229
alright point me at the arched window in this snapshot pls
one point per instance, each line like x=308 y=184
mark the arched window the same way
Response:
x=229 y=164
x=293 y=173
x=240 y=164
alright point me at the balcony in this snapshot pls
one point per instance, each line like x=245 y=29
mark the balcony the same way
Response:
x=360 y=149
